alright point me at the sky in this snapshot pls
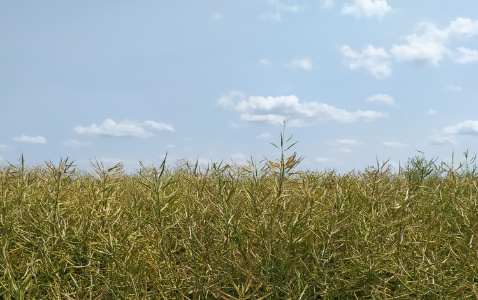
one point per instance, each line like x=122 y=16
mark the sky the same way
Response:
x=358 y=81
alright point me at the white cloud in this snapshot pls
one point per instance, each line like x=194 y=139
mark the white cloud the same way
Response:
x=327 y=4
x=4 y=147
x=349 y=142
x=367 y=8
x=374 y=60
x=468 y=127
x=382 y=98
x=264 y=62
x=465 y=56
x=278 y=7
x=429 y=44
x=30 y=139
x=345 y=150
x=420 y=50
x=77 y=144
x=394 y=144
x=123 y=129
x=438 y=139
x=158 y=126
x=274 y=110
x=303 y=63
x=462 y=28
x=431 y=112
x=217 y=17
x=452 y=87
x=228 y=101
x=322 y=159
x=447 y=134
x=265 y=136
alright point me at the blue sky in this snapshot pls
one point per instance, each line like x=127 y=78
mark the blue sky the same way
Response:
x=128 y=81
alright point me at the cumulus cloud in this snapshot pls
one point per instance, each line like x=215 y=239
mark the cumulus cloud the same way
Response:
x=303 y=63
x=123 y=129
x=279 y=6
x=367 y=8
x=274 y=110
x=350 y=142
x=382 y=98
x=429 y=45
x=468 y=127
x=158 y=126
x=322 y=159
x=438 y=139
x=327 y=4
x=229 y=100
x=452 y=87
x=264 y=62
x=447 y=134
x=374 y=60
x=30 y=139
x=394 y=144
x=265 y=136
x=465 y=56
x=217 y=17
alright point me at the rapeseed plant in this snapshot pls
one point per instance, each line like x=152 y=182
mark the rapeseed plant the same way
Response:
x=261 y=231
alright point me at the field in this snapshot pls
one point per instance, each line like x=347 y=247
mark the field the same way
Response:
x=261 y=231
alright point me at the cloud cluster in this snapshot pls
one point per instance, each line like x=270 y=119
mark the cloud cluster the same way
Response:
x=302 y=63
x=274 y=110
x=447 y=134
x=279 y=6
x=454 y=88
x=265 y=136
x=394 y=144
x=427 y=46
x=367 y=8
x=327 y=4
x=349 y=142
x=345 y=145
x=123 y=129
x=382 y=98
x=299 y=63
x=217 y=17
x=374 y=60
x=468 y=127
x=30 y=139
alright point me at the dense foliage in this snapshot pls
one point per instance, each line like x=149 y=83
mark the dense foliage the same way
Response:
x=239 y=232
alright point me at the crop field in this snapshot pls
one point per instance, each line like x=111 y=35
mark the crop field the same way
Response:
x=223 y=231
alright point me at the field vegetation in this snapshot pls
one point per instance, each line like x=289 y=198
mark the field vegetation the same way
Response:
x=224 y=231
